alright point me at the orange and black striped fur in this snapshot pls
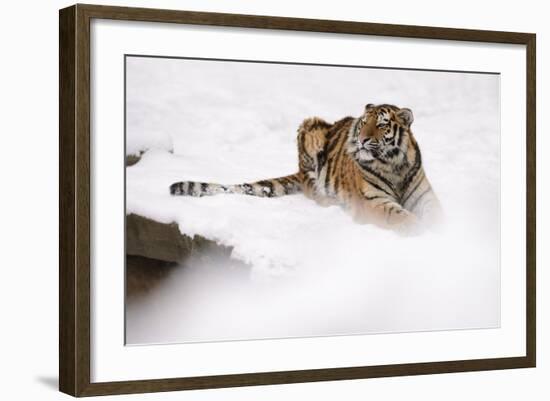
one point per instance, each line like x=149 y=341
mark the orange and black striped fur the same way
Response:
x=370 y=165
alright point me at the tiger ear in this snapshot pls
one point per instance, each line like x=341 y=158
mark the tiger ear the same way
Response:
x=405 y=116
x=369 y=107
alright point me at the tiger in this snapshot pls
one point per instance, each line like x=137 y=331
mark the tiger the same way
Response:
x=370 y=165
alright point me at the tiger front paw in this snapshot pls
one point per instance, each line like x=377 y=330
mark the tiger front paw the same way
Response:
x=406 y=224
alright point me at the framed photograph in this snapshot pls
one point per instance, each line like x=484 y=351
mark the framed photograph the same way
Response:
x=250 y=200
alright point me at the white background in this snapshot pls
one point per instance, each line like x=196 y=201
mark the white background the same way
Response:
x=29 y=211
x=111 y=361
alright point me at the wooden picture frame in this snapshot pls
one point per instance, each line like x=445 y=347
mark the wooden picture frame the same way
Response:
x=74 y=203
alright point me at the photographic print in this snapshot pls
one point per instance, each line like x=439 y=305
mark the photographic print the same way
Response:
x=281 y=200
x=257 y=200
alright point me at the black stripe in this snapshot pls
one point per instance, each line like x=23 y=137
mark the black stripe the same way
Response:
x=392 y=152
x=332 y=163
x=337 y=164
x=204 y=187
x=400 y=136
x=332 y=131
x=374 y=197
x=337 y=182
x=412 y=192
x=340 y=150
x=291 y=184
x=264 y=183
x=269 y=185
x=336 y=129
x=327 y=176
x=296 y=178
x=379 y=188
x=283 y=181
x=301 y=144
x=336 y=161
x=378 y=157
x=175 y=188
x=332 y=142
x=414 y=169
x=247 y=189
x=308 y=162
x=379 y=176
x=190 y=187
x=321 y=159
x=310 y=182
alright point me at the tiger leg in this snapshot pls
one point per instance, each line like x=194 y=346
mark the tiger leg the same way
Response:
x=384 y=211
x=423 y=203
x=312 y=141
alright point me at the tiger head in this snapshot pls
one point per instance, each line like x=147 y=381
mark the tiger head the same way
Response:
x=382 y=133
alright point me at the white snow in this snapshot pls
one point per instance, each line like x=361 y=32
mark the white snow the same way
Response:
x=231 y=122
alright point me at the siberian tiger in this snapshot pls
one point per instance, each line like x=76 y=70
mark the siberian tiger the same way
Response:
x=370 y=165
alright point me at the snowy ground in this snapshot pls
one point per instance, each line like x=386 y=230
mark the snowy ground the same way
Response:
x=314 y=271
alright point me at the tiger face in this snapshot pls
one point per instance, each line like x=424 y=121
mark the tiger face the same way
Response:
x=382 y=133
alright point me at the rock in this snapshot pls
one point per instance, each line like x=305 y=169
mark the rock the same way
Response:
x=161 y=241
x=154 y=250
x=154 y=240
x=144 y=274
x=133 y=159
